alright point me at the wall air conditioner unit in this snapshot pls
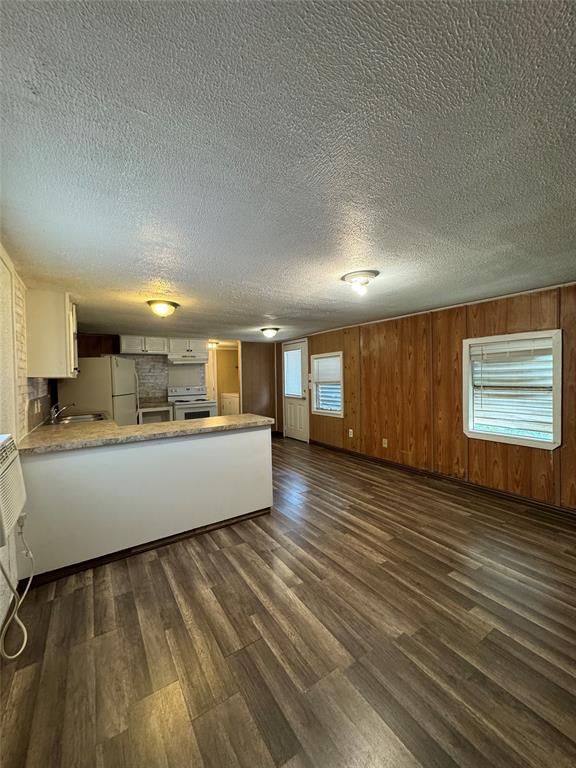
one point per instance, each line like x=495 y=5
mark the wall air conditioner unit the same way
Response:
x=12 y=490
x=12 y=500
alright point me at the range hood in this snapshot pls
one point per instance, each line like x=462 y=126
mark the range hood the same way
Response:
x=187 y=358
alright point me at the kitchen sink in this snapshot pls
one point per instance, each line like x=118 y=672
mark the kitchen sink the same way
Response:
x=81 y=418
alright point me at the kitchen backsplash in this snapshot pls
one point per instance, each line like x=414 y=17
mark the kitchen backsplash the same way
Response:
x=152 y=373
x=33 y=394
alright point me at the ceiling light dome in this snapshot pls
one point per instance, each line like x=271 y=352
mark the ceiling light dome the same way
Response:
x=269 y=332
x=360 y=280
x=162 y=308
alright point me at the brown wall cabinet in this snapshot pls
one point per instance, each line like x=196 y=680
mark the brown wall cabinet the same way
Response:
x=97 y=344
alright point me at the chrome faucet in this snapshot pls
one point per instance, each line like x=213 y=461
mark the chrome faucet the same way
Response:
x=56 y=410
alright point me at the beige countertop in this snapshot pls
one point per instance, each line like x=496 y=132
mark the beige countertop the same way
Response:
x=69 y=437
x=151 y=404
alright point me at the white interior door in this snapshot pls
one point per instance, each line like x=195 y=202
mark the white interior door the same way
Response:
x=295 y=390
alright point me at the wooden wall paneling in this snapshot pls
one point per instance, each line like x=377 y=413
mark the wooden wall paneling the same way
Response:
x=568 y=450
x=258 y=378
x=413 y=394
x=279 y=426
x=396 y=390
x=352 y=404
x=377 y=358
x=391 y=370
x=369 y=429
x=450 y=451
x=543 y=475
x=514 y=314
x=328 y=429
x=524 y=471
x=403 y=382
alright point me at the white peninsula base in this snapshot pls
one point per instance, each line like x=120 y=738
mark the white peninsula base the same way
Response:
x=90 y=502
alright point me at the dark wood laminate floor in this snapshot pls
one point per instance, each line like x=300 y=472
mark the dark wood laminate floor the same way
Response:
x=373 y=619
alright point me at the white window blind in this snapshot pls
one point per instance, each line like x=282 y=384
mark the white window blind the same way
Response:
x=512 y=382
x=327 y=384
x=293 y=373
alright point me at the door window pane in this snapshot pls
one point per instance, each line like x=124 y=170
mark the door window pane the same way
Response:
x=293 y=373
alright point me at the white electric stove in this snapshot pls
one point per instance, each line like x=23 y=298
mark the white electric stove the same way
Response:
x=191 y=403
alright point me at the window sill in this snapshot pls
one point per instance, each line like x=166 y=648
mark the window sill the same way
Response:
x=333 y=414
x=527 y=442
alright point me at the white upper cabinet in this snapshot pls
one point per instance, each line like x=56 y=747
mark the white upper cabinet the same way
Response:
x=179 y=345
x=155 y=345
x=132 y=344
x=143 y=345
x=51 y=335
x=195 y=349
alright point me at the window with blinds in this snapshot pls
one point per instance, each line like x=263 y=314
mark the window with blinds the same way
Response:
x=512 y=388
x=327 y=388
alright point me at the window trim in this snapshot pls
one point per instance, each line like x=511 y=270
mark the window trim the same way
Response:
x=333 y=414
x=555 y=335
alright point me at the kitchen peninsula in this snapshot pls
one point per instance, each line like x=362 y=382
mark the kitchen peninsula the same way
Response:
x=97 y=488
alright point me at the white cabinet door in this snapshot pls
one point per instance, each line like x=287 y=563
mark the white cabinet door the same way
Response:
x=132 y=344
x=198 y=346
x=155 y=345
x=72 y=339
x=198 y=350
x=51 y=335
x=178 y=345
x=230 y=404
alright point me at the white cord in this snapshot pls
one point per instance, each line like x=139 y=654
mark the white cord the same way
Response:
x=18 y=600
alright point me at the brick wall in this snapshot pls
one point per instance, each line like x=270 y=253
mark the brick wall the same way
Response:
x=33 y=399
x=152 y=373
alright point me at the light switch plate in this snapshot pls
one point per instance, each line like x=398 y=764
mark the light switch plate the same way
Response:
x=384 y=442
x=350 y=433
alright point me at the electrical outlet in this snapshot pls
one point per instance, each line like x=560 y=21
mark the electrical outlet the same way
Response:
x=350 y=433
x=384 y=442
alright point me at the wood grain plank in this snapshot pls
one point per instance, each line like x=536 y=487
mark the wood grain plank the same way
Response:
x=275 y=730
x=450 y=442
x=375 y=618
x=567 y=452
x=79 y=727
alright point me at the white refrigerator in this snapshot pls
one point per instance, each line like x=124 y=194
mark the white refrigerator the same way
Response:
x=103 y=384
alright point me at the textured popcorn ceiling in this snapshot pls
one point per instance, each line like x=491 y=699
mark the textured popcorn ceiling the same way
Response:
x=239 y=157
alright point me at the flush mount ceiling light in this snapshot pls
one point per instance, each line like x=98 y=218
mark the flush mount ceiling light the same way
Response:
x=360 y=280
x=213 y=344
x=162 y=308
x=269 y=332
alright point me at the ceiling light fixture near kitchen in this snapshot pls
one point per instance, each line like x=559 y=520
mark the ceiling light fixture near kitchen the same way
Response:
x=269 y=332
x=213 y=344
x=162 y=308
x=360 y=280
